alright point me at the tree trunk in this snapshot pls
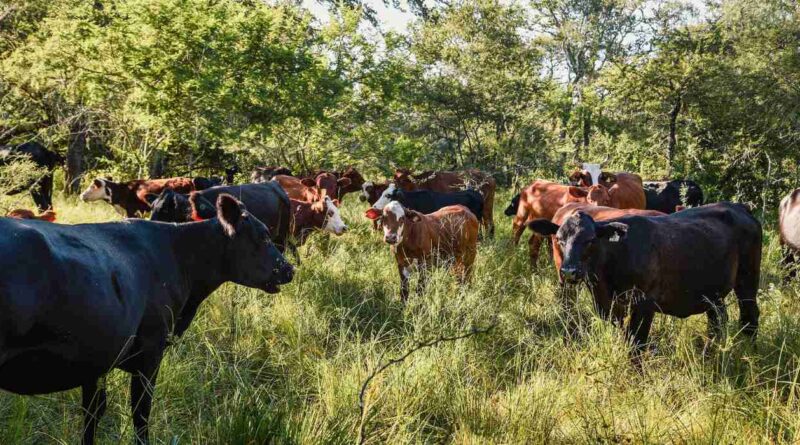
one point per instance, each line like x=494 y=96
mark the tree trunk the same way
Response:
x=673 y=129
x=75 y=152
x=159 y=165
x=587 y=129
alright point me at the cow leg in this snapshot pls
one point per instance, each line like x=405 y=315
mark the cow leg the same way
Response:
x=639 y=328
x=789 y=263
x=534 y=244
x=746 y=294
x=94 y=406
x=42 y=193
x=143 y=384
x=405 y=273
x=517 y=228
x=717 y=319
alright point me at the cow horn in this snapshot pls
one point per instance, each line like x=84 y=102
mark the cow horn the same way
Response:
x=603 y=162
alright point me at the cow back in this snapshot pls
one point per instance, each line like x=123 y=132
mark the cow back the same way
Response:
x=266 y=201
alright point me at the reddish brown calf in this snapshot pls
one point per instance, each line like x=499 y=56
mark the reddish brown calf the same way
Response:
x=449 y=234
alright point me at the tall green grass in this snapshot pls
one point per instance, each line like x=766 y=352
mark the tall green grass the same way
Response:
x=257 y=368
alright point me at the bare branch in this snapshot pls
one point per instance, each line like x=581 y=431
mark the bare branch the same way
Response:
x=400 y=359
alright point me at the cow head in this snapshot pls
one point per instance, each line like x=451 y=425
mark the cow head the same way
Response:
x=354 y=178
x=390 y=194
x=511 y=210
x=250 y=257
x=403 y=179
x=99 y=190
x=580 y=178
x=599 y=195
x=578 y=238
x=170 y=206
x=395 y=219
x=371 y=192
x=332 y=217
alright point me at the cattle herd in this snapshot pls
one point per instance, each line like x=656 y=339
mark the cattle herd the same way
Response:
x=641 y=248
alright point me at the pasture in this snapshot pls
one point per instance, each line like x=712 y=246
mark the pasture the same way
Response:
x=288 y=368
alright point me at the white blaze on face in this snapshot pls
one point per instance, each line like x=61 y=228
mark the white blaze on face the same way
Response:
x=394 y=225
x=96 y=192
x=364 y=188
x=334 y=218
x=384 y=200
x=594 y=171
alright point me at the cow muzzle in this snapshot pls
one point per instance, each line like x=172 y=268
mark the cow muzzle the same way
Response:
x=390 y=239
x=571 y=274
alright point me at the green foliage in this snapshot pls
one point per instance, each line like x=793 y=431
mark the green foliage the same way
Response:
x=190 y=86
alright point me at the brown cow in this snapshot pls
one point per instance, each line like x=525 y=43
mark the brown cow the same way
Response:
x=449 y=234
x=296 y=189
x=598 y=213
x=789 y=226
x=625 y=190
x=310 y=216
x=131 y=197
x=47 y=215
x=542 y=199
x=448 y=181
x=328 y=182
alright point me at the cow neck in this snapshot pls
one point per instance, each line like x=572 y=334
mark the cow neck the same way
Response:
x=200 y=249
x=417 y=237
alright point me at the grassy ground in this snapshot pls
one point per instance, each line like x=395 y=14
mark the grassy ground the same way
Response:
x=256 y=368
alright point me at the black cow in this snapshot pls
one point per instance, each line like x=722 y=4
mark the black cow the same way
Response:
x=681 y=264
x=201 y=183
x=78 y=301
x=427 y=201
x=511 y=210
x=41 y=189
x=267 y=202
x=665 y=196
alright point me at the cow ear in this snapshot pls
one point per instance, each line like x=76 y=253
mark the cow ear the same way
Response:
x=344 y=182
x=543 y=227
x=98 y=183
x=308 y=182
x=229 y=212
x=413 y=216
x=614 y=231
x=577 y=192
x=150 y=197
x=202 y=209
x=610 y=178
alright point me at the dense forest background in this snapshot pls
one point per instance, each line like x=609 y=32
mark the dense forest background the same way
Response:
x=148 y=88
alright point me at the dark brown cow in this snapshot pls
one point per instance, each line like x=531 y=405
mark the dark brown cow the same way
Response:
x=372 y=191
x=448 y=181
x=131 y=197
x=356 y=182
x=680 y=264
x=449 y=234
x=789 y=225
x=310 y=216
x=598 y=213
x=47 y=215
